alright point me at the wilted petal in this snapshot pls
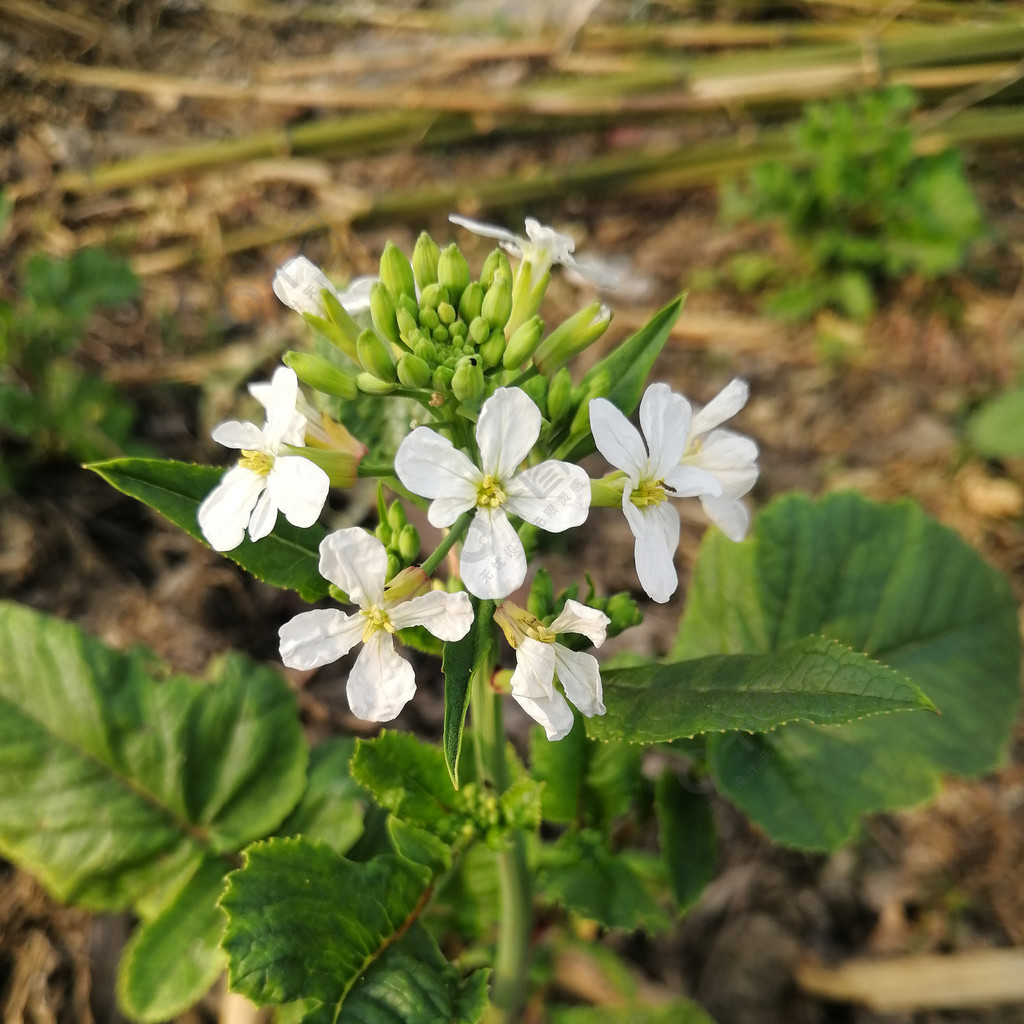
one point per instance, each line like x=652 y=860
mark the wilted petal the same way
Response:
x=225 y=512
x=234 y=434
x=656 y=529
x=553 y=495
x=665 y=419
x=507 y=429
x=580 y=677
x=431 y=466
x=264 y=516
x=447 y=616
x=723 y=406
x=381 y=682
x=357 y=562
x=319 y=637
x=493 y=562
x=729 y=515
x=299 y=489
x=281 y=413
x=578 y=618
x=617 y=439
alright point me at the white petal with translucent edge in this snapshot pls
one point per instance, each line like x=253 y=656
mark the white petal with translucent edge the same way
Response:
x=447 y=616
x=578 y=618
x=234 y=434
x=319 y=637
x=264 y=517
x=299 y=488
x=478 y=227
x=284 y=393
x=688 y=481
x=617 y=439
x=724 y=449
x=507 y=429
x=381 y=682
x=580 y=677
x=552 y=712
x=723 y=406
x=729 y=515
x=357 y=562
x=553 y=495
x=548 y=245
x=226 y=510
x=493 y=562
x=656 y=529
x=665 y=419
x=356 y=297
x=431 y=466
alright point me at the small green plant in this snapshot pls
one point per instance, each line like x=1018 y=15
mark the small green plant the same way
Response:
x=858 y=206
x=49 y=404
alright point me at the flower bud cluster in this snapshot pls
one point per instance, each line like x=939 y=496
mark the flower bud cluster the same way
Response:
x=400 y=538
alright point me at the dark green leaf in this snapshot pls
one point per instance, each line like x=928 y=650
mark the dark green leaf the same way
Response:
x=688 y=842
x=460 y=657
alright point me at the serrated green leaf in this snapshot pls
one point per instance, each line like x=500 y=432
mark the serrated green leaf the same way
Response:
x=304 y=923
x=115 y=785
x=171 y=961
x=419 y=845
x=289 y=558
x=460 y=657
x=813 y=679
x=677 y=1011
x=996 y=429
x=688 y=841
x=890 y=582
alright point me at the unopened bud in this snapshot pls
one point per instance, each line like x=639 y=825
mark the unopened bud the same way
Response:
x=383 y=312
x=441 y=379
x=407 y=325
x=431 y=297
x=497 y=262
x=407 y=584
x=375 y=356
x=424 y=260
x=298 y=283
x=493 y=349
x=623 y=612
x=396 y=516
x=424 y=349
x=446 y=313
x=479 y=330
x=371 y=385
x=429 y=319
x=572 y=337
x=409 y=543
x=523 y=343
x=453 y=272
x=596 y=387
x=559 y=395
x=468 y=380
x=321 y=374
x=383 y=533
x=409 y=304
x=413 y=372
x=472 y=301
x=339 y=338
x=498 y=301
x=394 y=565
x=342 y=468
x=537 y=389
x=396 y=272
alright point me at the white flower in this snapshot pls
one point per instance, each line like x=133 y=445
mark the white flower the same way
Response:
x=542 y=247
x=653 y=473
x=539 y=658
x=298 y=283
x=381 y=681
x=265 y=481
x=729 y=457
x=552 y=495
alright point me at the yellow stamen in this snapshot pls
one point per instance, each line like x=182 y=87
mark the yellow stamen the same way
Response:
x=258 y=462
x=376 y=620
x=650 y=492
x=490 y=493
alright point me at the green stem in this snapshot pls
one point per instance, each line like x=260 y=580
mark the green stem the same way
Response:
x=378 y=469
x=455 y=532
x=512 y=958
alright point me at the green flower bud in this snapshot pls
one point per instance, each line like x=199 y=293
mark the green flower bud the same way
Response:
x=409 y=543
x=597 y=387
x=496 y=262
x=458 y=330
x=572 y=337
x=472 y=301
x=446 y=313
x=371 y=385
x=394 y=565
x=542 y=595
x=409 y=304
x=413 y=371
x=429 y=319
x=439 y=335
x=396 y=272
x=441 y=379
x=453 y=272
x=468 y=380
x=623 y=612
x=559 y=395
x=479 y=330
x=333 y=333
x=424 y=349
x=432 y=296
x=375 y=356
x=407 y=325
x=523 y=343
x=346 y=329
x=396 y=516
x=498 y=301
x=383 y=313
x=342 y=468
x=537 y=389
x=424 y=260
x=321 y=374
x=493 y=349
x=382 y=531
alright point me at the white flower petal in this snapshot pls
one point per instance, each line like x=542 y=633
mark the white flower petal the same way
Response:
x=665 y=419
x=431 y=466
x=264 y=517
x=617 y=439
x=736 y=482
x=578 y=618
x=381 y=682
x=447 y=616
x=688 y=481
x=444 y=511
x=656 y=528
x=299 y=489
x=580 y=677
x=355 y=299
x=281 y=413
x=547 y=245
x=234 y=434
x=729 y=515
x=478 y=227
x=507 y=429
x=357 y=562
x=535 y=669
x=553 y=495
x=723 y=406
x=225 y=512
x=298 y=284
x=724 y=449
x=493 y=562
x=319 y=637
